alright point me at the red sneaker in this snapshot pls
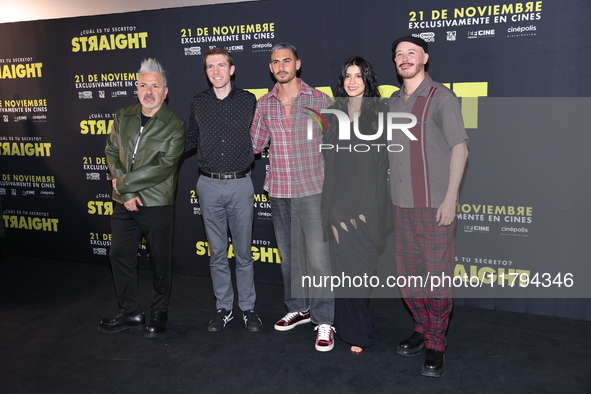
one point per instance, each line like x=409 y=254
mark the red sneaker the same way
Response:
x=292 y=319
x=324 y=337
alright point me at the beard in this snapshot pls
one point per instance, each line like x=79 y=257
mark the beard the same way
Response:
x=149 y=106
x=411 y=72
x=284 y=78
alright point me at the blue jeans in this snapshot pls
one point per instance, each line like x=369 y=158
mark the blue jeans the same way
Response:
x=298 y=230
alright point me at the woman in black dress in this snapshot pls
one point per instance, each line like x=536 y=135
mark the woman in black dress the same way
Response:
x=355 y=196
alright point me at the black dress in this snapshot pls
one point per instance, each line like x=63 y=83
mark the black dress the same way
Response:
x=356 y=203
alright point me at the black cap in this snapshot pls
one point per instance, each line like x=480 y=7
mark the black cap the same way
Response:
x=415 y=40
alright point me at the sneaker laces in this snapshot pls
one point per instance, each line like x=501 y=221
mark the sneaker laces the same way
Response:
x=290 y=316
x=228 y=317
x=324 y=331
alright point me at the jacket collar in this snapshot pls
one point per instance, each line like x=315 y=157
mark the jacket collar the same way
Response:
x=163 y=113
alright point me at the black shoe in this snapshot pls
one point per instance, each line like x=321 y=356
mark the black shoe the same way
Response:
x=411 y=346
x=434 y=366
x=218 y=323
x=157 y=325
x=122 y=322
x=252 y=322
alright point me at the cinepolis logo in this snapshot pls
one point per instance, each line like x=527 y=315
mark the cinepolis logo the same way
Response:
x=344 y=131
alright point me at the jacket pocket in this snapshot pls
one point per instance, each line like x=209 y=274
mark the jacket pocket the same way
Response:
x=157 y=145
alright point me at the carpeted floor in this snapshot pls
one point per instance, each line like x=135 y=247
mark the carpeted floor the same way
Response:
x=50 y=310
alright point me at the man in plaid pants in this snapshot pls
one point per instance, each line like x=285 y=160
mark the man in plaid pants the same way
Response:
x=425 y=177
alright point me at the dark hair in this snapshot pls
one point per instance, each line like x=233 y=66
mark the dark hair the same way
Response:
x=371 y=94
x=369 y=78
x=285 y=45
x=217 y=51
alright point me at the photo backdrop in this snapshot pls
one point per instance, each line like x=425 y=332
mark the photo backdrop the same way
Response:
x=520 y=68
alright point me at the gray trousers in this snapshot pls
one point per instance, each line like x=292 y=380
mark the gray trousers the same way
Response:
x=229 y=203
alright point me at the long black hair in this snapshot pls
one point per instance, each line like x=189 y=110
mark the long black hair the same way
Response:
x=371 y=94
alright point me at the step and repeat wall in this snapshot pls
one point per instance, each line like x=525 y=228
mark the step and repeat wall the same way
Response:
x=520 y=69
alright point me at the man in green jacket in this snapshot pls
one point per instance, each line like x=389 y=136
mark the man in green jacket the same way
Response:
x=143 y=150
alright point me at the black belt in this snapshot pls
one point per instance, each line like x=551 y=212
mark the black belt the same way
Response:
x=226 y=175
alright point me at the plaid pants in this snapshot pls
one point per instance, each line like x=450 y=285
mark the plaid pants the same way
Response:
x=425 y=250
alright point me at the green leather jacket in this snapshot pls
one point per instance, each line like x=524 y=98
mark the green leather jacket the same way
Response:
x=161 y=144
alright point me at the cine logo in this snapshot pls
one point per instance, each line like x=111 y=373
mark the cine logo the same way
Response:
x=399 y=121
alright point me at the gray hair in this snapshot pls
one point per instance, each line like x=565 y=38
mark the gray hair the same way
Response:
x=285 y=45
x=152 y=66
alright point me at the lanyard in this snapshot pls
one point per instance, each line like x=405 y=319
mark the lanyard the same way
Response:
x=137 y=142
